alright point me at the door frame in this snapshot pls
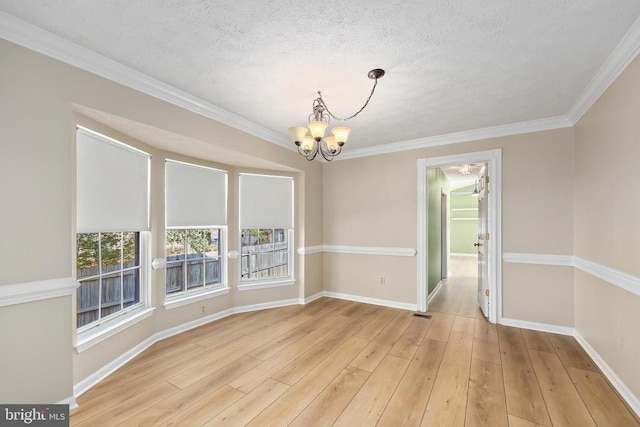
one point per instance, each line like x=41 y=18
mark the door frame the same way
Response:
x=493 y=158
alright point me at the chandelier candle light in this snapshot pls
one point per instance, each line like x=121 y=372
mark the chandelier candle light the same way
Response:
x=310 y=140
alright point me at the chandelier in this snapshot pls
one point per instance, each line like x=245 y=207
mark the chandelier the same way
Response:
x=310 y=140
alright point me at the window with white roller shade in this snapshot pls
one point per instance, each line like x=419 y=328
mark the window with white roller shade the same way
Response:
x=266 y=223
x=112 y=185
x=266 y=201
x=196 y=196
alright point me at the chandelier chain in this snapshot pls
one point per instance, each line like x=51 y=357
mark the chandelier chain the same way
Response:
x=373 y=89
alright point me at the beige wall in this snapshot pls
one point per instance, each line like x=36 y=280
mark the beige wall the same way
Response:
x=37 y=121
x=607 y=223
x=371 y=201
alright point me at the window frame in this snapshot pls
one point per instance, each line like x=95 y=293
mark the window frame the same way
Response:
x=91 y=334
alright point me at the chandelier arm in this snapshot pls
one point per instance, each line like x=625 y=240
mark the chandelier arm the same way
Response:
x=328 y=156
x=373 y=89
x=309 y=156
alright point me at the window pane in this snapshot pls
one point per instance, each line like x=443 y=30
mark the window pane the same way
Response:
x=130 y=288
x=195 y=244
x=87 y=302
x=110 y=245
x=175 y=277
x=111 y=295
x=87 y=255
x=212 y=271
x=195 y=274
x=174 y=245
x=211 y=240
x=250 y=238
x=130 y=250
x=266 y=240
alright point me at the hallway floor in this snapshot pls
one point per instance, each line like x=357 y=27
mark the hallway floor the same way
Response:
x=458 y=294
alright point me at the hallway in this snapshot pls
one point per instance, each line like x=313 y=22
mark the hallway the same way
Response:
x=458 y=292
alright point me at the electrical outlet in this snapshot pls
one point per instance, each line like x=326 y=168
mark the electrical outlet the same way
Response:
x=203 y=309
x=382 y=280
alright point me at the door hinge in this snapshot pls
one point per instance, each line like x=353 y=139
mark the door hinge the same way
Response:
x=486 y=292
x=486 y=237
x=486 y=179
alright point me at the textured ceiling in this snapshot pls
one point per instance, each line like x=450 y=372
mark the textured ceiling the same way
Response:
x=451 y=65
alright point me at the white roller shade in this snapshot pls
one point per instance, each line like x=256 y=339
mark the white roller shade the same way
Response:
x=195 y=196
x=112 y=185
x=266 y=201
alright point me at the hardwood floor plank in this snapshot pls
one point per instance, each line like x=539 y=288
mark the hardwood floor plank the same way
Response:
x=285 y=340
x=485 y=342
x=486 y=401
x=441 y=327
x=247 y=407
x=394 y=330
x=524 y=397
x=564 y=404
x=205 y=409
x=448 y=401
x=377 y=324
x=128 y=408
x=519 y=422
x=411 y=338
x=603 y=403
x=330 y=403
x=369 y=403
x=409 y=401
x=369 y=358
x=192 y=374
x=292 y=402
x=147 y=372
x=224 y=374
x=297 y=369
x=536 y=340
x=571 y=353
x=256 y=376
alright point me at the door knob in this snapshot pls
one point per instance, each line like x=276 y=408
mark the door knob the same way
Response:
x=477 y=244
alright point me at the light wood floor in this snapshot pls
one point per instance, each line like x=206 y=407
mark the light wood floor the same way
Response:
x=335 y=362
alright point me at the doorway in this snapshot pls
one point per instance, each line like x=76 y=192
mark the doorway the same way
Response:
x=491 y=245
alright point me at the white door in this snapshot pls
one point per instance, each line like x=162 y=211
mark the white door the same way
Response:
x=483 y=237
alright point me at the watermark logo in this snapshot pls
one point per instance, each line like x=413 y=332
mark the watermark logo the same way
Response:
x=34 y=415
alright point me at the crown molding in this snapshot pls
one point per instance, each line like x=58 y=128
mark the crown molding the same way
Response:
x=625 y=52
x=53 y=46
x=549 y=123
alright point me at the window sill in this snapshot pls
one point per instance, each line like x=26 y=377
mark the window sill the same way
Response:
x=266 y=284
x=184 y=299
x=93 y=336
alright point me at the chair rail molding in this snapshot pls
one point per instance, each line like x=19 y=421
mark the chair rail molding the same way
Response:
x=20 y=293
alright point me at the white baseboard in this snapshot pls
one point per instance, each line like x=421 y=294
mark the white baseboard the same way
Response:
x=433 y=294
x=542 y=327
x=631 y=399
x=374 y=301
x=71 y=401
x=311 y=298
